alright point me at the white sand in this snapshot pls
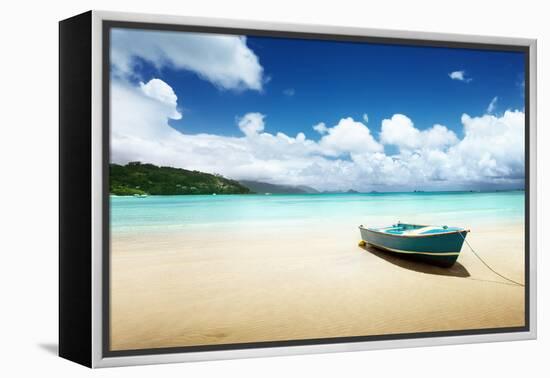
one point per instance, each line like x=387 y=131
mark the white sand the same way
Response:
x=200 y=288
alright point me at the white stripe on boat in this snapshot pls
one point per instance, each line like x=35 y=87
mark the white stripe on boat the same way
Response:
x=414 y=252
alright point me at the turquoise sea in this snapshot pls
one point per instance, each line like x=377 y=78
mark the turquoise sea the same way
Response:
x=204 y=212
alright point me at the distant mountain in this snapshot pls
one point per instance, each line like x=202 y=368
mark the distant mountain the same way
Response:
x=307 y=189
x=349 y=191
x=264 y=187
x=138 y=178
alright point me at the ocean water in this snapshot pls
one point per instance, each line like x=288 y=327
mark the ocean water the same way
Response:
x=208 y=212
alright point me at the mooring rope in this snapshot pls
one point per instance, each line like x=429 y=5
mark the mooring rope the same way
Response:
x=487 y=265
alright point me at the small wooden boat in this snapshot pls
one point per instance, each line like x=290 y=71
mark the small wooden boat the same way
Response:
x=439 y=245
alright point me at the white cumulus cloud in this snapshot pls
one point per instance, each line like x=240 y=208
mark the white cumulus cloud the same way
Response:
x=159 y=90
x=492 y=148
x=321 y=128
x=400 y=131
x=251 y=123
x=348 y=136
x=224 y=60
x=437 y=136
x=460 y=76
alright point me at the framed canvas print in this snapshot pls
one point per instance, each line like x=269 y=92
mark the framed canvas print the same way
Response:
x=236 y=189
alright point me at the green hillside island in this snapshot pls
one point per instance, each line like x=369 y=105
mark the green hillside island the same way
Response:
x=137 y=178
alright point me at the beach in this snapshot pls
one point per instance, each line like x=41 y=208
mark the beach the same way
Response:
x=267 y=270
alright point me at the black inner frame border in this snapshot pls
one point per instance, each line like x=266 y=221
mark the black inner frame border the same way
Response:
x=107 y=25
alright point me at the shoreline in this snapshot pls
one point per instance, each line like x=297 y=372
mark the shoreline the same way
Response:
x=324 y=193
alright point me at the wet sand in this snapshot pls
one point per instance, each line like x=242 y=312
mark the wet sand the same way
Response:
x=268 y=284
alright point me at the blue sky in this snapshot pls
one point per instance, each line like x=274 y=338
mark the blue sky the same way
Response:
x=331 y=80
x=245 y=107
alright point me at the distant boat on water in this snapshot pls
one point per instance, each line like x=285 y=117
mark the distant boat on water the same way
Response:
x=439 y=245
x=140 y=195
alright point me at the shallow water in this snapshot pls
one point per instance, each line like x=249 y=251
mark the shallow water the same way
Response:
x=190 y=213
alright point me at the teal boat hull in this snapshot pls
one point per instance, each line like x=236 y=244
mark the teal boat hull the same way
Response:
x=440 y=249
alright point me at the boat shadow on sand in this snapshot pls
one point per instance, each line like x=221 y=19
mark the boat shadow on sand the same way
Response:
x=407 y=262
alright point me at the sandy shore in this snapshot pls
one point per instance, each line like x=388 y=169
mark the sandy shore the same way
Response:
x=204 y=288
